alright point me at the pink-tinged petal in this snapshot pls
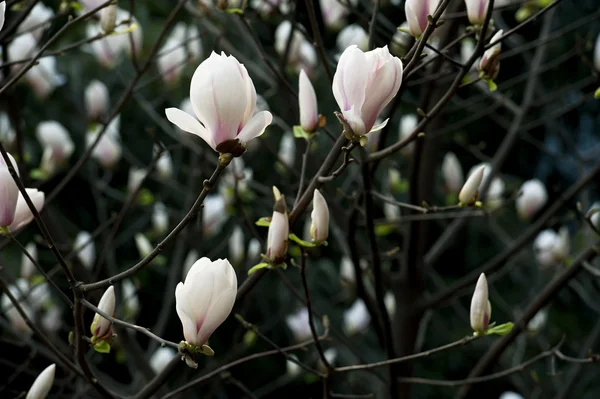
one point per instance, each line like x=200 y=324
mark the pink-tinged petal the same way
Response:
x=188 y=123
x=350 y=79
x=217 y=313
x=379 y=126
x=23 y=214
x=307 y=100
x=255 y=126
x=9 y=194
x=189 y=325
x=354 y=119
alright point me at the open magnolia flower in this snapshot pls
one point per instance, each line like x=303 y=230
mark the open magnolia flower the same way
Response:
x=223 y=99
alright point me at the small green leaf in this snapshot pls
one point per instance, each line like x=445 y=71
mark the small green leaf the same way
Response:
x=258 y=267
x=249 y=338
x=300 y=133
x=37 y=279
x=300 y=242
x=207 y=350
x=264 y=221
x=382 y=230
x=37 y=174
x=501 y=329
x=491 y=84
x=597 y=94
x=102 y=347
x=76 y=6
x=235 y=11
x=71 y=337
x=544 y=3
x=466 y=80
x=145 y=197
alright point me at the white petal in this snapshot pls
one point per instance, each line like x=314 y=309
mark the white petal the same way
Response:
x=188 y=123
x=255 y=126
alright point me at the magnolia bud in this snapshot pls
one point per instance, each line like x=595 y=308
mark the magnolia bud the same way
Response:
x=277 y=238
x=452 y=172
x=319 y=228
x=416 y=14
x=353 y=34
x=108 y=18
x=347 y=272
x=28 y=268
x=307 y=100
x=136 y=177
x=538 y=321
x=595 y=214
x=477 y=11
x=533 y=197
x=96 y=99
x=160 y=218
x=236 y=245
x=161 y=358
x=489 y=66
x=299 y=324
x=143 y=244
x=292 y=368
x=164 y=166
x=390 y=303
x=470 y=190
x=23 y=214
x=408 y=124
x=480 y=306
x=356 y=318
x=85 y=249
x=9 y=192
x=287 y=150
x=131 y=302
x=253 y=249
x=101 y=327
x=42 y=384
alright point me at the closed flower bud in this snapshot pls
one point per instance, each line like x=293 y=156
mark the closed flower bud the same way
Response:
x=287 y=150
x=136 y=178
x=96 y=99
x=214 y=214
x=470 y=190
x=543 y=247
x=108 y=18
x=224 y=101
x=452 y=172
x=101 y=327
x=390 y=303
x=164 y=166
x=356 y=318
x=480 y=306
x=477 y=10
x=109 y=49
x=307 y=100
x=279 y=229
x=205 y=298
x=595 y=214
x=161 y=358
x=9 y=192
x=143 y=244
x=85 y=249
x=489 y=65
x=17 y=322
x=298 y=323
x=363 y=84
x=416 y=14
x=131 y=302
x=236 y=245
x=319 y=228
x=533 y=198
x=160 y=218
x=253 y=249
x=23 y=214
x=292 y=368
x=28 y=268
x=353 y=34
x=538 y=321
x=510 y=395
x=408 y=124
x=347 y=273
x=42 y=384
x=282 y=37
x=335 y=12
x=53 y=136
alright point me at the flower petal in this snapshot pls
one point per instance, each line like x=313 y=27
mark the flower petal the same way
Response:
x=188 y=123
x=255 y=126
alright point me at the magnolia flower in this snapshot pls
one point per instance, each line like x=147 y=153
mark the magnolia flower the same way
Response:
x=108 y=49
x=476 y=11
x=56 y=141
x=108 y=18
x=390 y=303
x=205 y=298
x=595 y=217
x=236 y=245
x=101 y=327
x=161 y=358
x=452 y=172
x=43 y=78
x=28 y=268
x=597 y=54
x=17 y=321
x=493 y=196
x=22 y=47
x=533 y=198
x=347 y=273
x=9 y=192
x=489 y=65
x=292 y=368
x=23 y=214
x=182 y=45
x=84 y=247
x=282 y=37
x=308 y=58
x=467 y=48
x=160 y=218
x=214 y=214
x=42 y=384
x=298 y=323
x=2 y=11
x=538 y=321
x=363 y=84
x=224 y=99
x=136 y=178
x=164 y=166
x=470 y=190
x=277 y=238
x=319 y=228
x=37 y=20
x=416 y=14
x=401 y=41
x=356 y=318
x=52 y=319
x=353 y=35
x=335 y=12
x=254 y=248
x=551 y=248
x=287 y=151
x=481 y=310
x=131 y=302
x=189 y=261
x=142 y=244
x=510 y=395
x=96 y=99
x=408 y=124
x=108 y=151
x=266 y=7
x=7 y=133
x=307 y=101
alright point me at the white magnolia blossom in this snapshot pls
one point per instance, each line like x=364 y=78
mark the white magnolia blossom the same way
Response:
x=28 y=268
x=37 y=20
x=224 y=100
x=551 y=248
x=23 y=214
x=42 y=384
x=17 y=322
x=390 y=303
x=363 y=84
x=143 y=244
x=101 y=327
x=108 y=151
x=307 y=101
x=510 y=395
x=301 y=54
x=52 y=320
x=319 y=228
x=477 y=11
x=292 y=368
x=356 y=318
x=236 y=245
x=9 y=192
x=164 y=166
x=408 y=124
x=205 y=298
x=182 y=45
x=136 y=177
x=493 y=197
x=470 y=191
x=352 y=34
x=55 y=141
x=189 y=261
x=538 y=321
x=20 y=48
x=595 y=214
x=43 y=78
x=480 y=306
x=85 y=249
x=254 y=249
x=96 y=99
x=287 y=150
x=467 y=48
x=160 y=218
x=335 y=12
x=266 y=7
x=131 y=302
x=161 y=358
x=347 y=272
x=489 y=65
x=108 y=18
x=452 y=172
x=279 y=229
x=214 y=214
x=533 y=197
x=298 y=323
x=416 y=14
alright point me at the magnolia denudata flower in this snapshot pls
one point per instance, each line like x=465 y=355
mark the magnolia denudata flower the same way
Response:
x=224 y=100
x=481 y=310
x=164 y=166
x=416 y=14
x=408 y=124
x=56 y=141
x=214 y=214
x=96 y=99
x=470 y=190
x=390 y=303
x=42 y=384
x=510 y=395
x=161 y=358
x=17 y=322
x=108 y=18
x=43 y=78
x=282 y=37
x=595 y=214
x=533 y=198
x=538 y=321
x=136 y=178
x=236 y=245
x=493 y=196
x=182 y=45
x=353 y=34
x=489 y=65
x=319 y=228
x=2 y=12
x=9 y=192
x=347 y=272
x=205 y=298
x=85 y=249
x=356 y=318
x=292 y=368
x=23 y=214
x=307 y=101
x=287 y=150
x=467 y=48
x=101 y=327
x=266 y=7
x=254 y=248
x=37 y=20
x=335 y=12
x=28 y=268
x=52 y=319
x=279 y=229
x=363 y=84
x=142 y=244
x=551 y=248
x=298 y=323
x=452 y=172
x=108 y=151
x=21 y=47
x=477 y=10
x=160 y=218
x=131 y=302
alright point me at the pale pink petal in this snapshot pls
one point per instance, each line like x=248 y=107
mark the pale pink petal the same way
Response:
x=188 y=123
x=255 y=126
